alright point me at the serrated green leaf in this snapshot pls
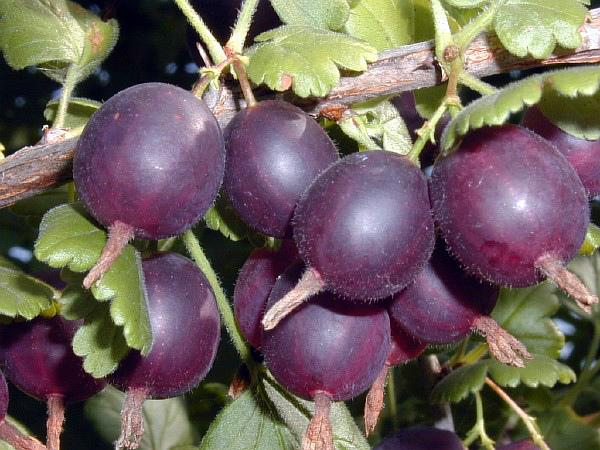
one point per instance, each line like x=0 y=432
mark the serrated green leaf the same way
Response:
x=326 y=14
x=248 y=424
x=591 y=241
x=541 y=370
x=525 y=313
x=466 y=3
x=79 y=111
x=461 y=382
x=54 y=34
x=535 y=27
x=295 y=412
x=496 y=109
x=122 y=285
x=576 y=116
x=68 y=238
x=305 y=58
x=40 y=204
x=23 y=295
x=221 y=217
x=384 y=24
x=564 y=430
x=98 y=341
x=166 y=422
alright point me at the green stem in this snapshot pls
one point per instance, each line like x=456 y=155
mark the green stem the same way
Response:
x=478 y=430
x=242 y=25
x=425 y=133
x=471 y=30
x=443 y=34
x=476 y=84
x=589 y=369
x=214 y=48
x=460 y=352
x=391 y=398
x=474 y=355
x=65 y=96
x=195 y=250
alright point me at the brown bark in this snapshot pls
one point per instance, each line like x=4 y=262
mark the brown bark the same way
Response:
x=32 y=170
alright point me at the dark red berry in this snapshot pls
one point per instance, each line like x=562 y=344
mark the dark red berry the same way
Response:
x=36 y=357
x=520 y=445
x=326 y=345
x=274 y=152
x=583 y=154
x=443 y=303
x=506 y=202
x=185 y=329
x=421 y=438
x=3 y=397
x=365 y=226
x=152 y=157
x=404 y=346
x=253 y=286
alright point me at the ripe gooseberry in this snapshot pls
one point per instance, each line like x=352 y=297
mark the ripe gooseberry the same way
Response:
x=421 y=438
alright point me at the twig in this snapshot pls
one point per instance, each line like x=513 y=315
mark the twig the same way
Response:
x=32 y=170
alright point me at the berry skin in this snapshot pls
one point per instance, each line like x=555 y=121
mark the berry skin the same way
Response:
x=365 y=226
x=520 y=445
x=584 y=155
x=443 y=303
x=254 y=284
x=185 y=328
x=404 y=346
x=421 y=438
x=152 y=157
x=506 y=201
x=326 y=346
x=3 y=397
x=274 y=152
x=36 y=357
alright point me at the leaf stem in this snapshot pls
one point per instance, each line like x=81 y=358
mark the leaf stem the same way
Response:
x=479 y=24
x=426 y=132
x=476 y=84
x=214 y=48
x=529 y=421
x=65 y=96
x=240 y=71
x=391 y=398
x=193 y=246
x=478 y=430
x=242 y=25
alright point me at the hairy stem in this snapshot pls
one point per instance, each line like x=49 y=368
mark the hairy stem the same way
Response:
x=479 y=24
x=319 y=435
x=392 y=407
x=529 y=421
x=240 y=71
x=54 y=424
x=195 y=250
x=242 y=25
x=214 y=48
x=132 y=419
x=478 y=430
x=11 y=434
x=65 y=96
x=426 y=133
x=476 y=84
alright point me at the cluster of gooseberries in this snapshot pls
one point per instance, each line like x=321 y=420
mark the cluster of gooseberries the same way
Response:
x=360 y=282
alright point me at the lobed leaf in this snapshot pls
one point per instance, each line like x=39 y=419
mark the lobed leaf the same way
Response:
x=384 y=24
x=23 y=295
x=542 y=370
x=535 y=27
x=166 y=422
x=307 y=59
x=526 y=312
x=79 y=111
x=575 y=116
x=458 y=384
x=54 y=34
x=564 y=430
x=496 y=109
x=326 y=14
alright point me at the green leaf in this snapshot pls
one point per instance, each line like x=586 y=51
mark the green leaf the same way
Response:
x=587 y=268
x=7 y=263
x=542 y=370
x=565 y=430
x=79 y=111
x=326 y=14
x=377 y=125
x=384 y=24
x=68 y=238
x=247 y=423
x=166 y=422
x=122 y=284
x=466 y=3
x=458 y=384
x=535 y=27
x=54 y=34
x=428 y=100
x=40 y=204
x=576 y=116
x=98 y=341
x=221 y=217
x=496 y=109
x=23 y=295
x=305 y=58
x=525 y=313
x=592 y=240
